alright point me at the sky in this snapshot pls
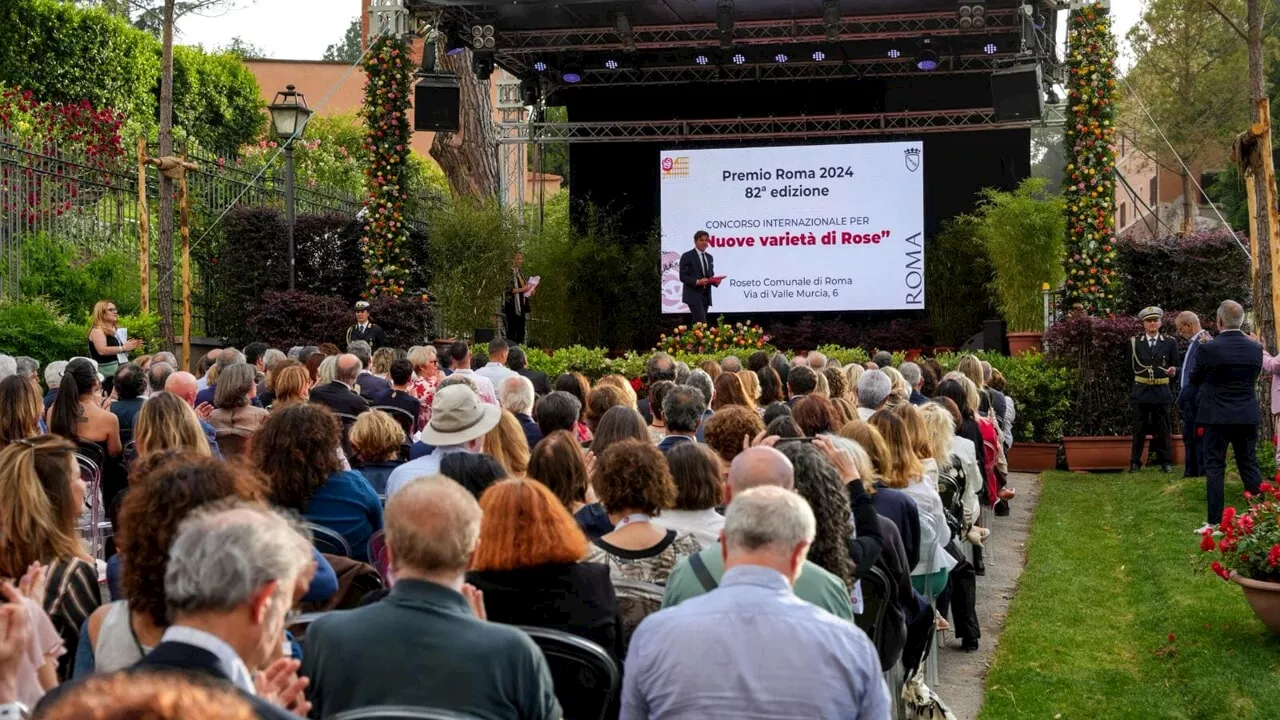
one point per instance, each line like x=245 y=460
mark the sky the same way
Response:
x=302 y=29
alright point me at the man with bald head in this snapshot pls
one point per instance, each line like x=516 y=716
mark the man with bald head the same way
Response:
x=694 y=575
x=183 y=384
x=427 y=643
x=1226 y=373
x=340 y=394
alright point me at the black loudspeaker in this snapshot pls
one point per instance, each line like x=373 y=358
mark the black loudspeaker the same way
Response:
x=435 y=103
x=993 y=336
x=1015 y=93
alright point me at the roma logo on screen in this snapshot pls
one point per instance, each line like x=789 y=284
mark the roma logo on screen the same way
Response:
x=675 y=167
x=912 y=158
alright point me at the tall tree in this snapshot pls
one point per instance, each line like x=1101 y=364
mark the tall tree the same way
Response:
x=1187 y=77
x=469 y=157
x=350 y=47
x=243 y=49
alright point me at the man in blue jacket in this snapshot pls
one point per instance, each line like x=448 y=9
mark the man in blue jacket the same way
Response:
x=1226 y=373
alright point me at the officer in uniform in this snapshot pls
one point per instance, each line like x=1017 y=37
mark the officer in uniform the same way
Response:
x=364 y=330
x=1155 y=363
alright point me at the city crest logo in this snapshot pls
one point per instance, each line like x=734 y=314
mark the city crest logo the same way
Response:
x=912 y=158
x=675 y=167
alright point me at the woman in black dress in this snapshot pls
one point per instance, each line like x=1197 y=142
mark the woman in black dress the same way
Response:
x=105 y=346
x=516 y=305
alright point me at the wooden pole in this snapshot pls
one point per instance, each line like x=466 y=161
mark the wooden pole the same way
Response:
x=144 y=228
x=184 y=219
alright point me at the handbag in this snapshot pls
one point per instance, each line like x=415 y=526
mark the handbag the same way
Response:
x=921 y=703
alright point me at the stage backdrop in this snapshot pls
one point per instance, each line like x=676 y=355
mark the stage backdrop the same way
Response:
x=812 y=228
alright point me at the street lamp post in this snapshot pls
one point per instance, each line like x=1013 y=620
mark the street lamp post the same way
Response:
x=289 y=115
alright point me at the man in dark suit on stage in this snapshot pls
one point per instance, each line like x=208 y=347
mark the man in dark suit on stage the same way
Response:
x=1155 y=362
x=697 y=267
x=1226 y=372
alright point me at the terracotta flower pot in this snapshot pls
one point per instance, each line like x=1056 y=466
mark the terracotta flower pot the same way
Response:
x=1033 y=457
x=1263 y=597
x=1109 y=452
x=1021 y=343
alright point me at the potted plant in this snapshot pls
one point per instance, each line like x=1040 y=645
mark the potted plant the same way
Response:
x=1246 y=548
x=1023 y=233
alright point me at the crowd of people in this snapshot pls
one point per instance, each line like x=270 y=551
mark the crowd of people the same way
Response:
x=709 y=528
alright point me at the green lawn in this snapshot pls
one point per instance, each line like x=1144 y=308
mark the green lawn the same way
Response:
x=1112 y=575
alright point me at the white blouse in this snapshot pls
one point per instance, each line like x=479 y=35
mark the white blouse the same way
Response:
x=703 y=525
x=934 y=533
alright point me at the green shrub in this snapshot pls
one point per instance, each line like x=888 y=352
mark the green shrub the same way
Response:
x=35 y=327
x=146 y=327
x=1023 y=233
x=74 y=276
x=957 y=271
x=471 y=247
x=843 y=354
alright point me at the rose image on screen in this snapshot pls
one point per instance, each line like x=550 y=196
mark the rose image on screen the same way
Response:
x=671 y=288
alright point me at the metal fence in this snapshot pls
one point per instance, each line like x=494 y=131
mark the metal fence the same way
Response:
x=61 y=205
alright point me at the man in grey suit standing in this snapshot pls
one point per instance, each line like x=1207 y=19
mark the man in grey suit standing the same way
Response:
x=697 y=267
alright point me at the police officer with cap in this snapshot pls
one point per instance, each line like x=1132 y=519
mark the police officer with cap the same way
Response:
x=1155 y=363
x=365 y=330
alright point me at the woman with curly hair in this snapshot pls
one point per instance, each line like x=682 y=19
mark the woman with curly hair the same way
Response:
x=557 y=462
x=837 y=387
x=43 y=495
x=725 y=429
x=729 y=391
x=165 y=487
x=575 y=383
x=818 y=482
x=297 y=449
x=22 y=409
x=528 y=565
x=635 y=486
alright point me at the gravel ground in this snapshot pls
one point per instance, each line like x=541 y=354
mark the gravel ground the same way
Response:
x=961 y=675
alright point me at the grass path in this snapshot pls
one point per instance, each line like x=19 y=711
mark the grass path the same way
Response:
x=1116 y=617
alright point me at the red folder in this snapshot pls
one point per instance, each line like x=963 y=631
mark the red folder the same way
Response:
x=715 y=279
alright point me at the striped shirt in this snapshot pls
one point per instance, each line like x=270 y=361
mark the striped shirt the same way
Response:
x=70 y=597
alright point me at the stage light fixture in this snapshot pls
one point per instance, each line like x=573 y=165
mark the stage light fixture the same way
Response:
x=611 y=64
x=530 y=91
x=971 y=14
x=428 y=64
x=979 y=16
x=989 y=48
x=539 y=66
x=482 y=65
x=622 y=24
x=572 y=73
x=894 y=53
x=724 y=22
x=702 y=59
x=819 y=56
x=482 y=37
x=831 y=19
x=781 y=58
x=739 y=58
x=927 y=58
x=1051 y=95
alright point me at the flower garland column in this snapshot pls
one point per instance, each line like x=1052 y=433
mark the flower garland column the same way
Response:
x=386 y=116
x=1090 y=187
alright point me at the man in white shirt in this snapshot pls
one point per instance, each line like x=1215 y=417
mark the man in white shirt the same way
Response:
x=459 y=422
x=496 y=370
x=460 y=364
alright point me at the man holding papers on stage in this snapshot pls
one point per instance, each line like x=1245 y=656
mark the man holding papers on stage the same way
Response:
x=697 y=273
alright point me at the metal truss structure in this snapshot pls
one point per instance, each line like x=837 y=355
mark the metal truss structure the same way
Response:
x=796 y=70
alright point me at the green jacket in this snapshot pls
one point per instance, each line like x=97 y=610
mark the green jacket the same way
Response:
x=815 y=584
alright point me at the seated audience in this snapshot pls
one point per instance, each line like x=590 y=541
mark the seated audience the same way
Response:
x=852 y=374
x=376 y=440
x=623 y=385
x=914 y=377
x=784 y=426
x=883 y=359
x=427 y=375
x=757 y=467
x=460 y=362
x=154 y=696
x=782 y=367
x=729 y=391
x=290 y=385
x=459 y=423
x=728 y=430
x=618 y=423
x=837 y=388
x=21 y=417
x=234 y=412
x=702 y=382
x=660 y=367
x=757 y=360
x=398 y=396
x=824 y=472
x=557 y=462
x=899 y=390
x=529 y=567
x=183 y=385
x=874 y=388
x=506 y=444
x=43 y=496
x=516 y=395
x=731 y=364
x=576 y=385
x=772 y=388
x=963 y=454
x=496 y=370
x=518 y=361
x=368 y=383
x=77 y=413
x=822 y=389
x=750 y=386
x=157 y=375
x=130 y=386
x=601 y=399
x=634 y=485
x=473 y=471
x=815 y=415
x=297 y=449
x=339 y=392
x=657 y=393
x=167 y=423
x=682 y=411
x=223 y=358
x=711 y=368
x=52 y=378
x=559 y=410
x=695 y=469
x=774 y=411
x=428 y=643
x=801 y=381
x=892 y=504
x=818 y=483
x=752 y=633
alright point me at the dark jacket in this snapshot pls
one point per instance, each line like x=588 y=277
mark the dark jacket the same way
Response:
x=1148 y=370
x=372 y=387
x=868 y=543
x=577 y=598
x=410 y=405
x=422 y=646
x=347 y=504
x=541 y=385
x=532 y=433
x=691 y=272
x=899 y=508
x=1188 y=393
x=669 y=442
x=195 y=664
x=377 y=473
x=372 y=335
x=1226 y=372
x=339 y=398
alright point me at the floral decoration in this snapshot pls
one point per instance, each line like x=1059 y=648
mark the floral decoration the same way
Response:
x=707 y=338
x=1248 y=542
x=1089 y=190
x=386 y=114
